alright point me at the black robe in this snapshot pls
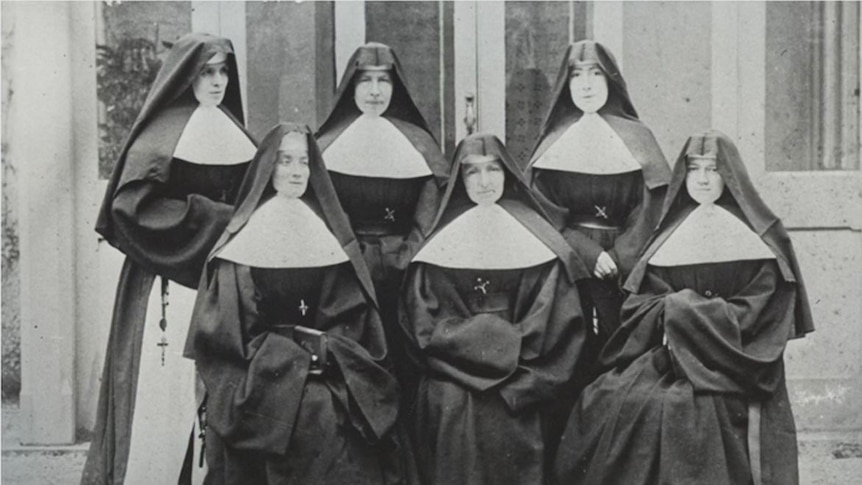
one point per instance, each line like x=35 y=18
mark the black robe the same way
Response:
x=490 y=362
x=632 y=207
x=613 y=213
x=391 y=217
x=165 y=214
x=491 y=359
x=270 y=419
x=679 y=413
x=278 y=424
x=708 y=405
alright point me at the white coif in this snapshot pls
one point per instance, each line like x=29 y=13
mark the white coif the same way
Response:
x=284 y=233
x=485 y=237
x=710 y=234
x=373 y=147
x=210 y=137
x=590 y=146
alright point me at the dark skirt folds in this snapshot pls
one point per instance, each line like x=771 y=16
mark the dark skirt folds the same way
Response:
x=493 y=349
x=696 y=390
x=472 y=438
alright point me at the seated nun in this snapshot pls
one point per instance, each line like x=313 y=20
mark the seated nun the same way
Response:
x=287 y=336
x=491 y=313
x=696 y=392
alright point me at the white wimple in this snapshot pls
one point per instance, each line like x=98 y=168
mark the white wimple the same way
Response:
x=710 y=234
x=373 y=147
x=590 y=146
x=485 y=237
x=210 y=137
x=284 y=233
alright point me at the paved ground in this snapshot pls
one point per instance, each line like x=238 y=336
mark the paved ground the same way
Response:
x=823 y=459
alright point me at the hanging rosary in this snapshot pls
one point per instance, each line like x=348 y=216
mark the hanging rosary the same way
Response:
x=163 y=323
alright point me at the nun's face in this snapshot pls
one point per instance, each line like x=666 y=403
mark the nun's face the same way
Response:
x=484 y=181
x=702 y=180
x=210 y=85
x=589 y=87
x=290 y=177
x=373 y=91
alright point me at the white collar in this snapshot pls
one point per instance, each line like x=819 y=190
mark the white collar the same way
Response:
x=284 y=233
x=210 y=137
x=485 y=237
x=373 y=147
x=710 y=234
x=589 y=146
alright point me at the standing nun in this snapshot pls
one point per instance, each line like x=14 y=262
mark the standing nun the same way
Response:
x=696 y=392
x=492 y=316
x=604 y=176
x=168 y=200
x=387 y=169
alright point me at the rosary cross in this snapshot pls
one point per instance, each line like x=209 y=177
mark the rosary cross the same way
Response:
x=302 y=307
x=163 y=343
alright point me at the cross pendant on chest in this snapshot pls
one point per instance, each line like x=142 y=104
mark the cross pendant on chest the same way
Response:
x=601 y=211
x=163 y=343
x=481 y=286
x=390 y=214
x=302 y=307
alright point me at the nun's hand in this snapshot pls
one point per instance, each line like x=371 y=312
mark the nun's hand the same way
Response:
x=605 y=267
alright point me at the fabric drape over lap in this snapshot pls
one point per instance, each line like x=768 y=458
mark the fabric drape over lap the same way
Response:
x=696 y=392
x=274 y=421
x=493 y=347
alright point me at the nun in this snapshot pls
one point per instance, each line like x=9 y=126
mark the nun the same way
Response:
x=491 y=314
x=696 y=389
x=387 y=169
x=603 y=176
x=168 y=200
x=287 y=335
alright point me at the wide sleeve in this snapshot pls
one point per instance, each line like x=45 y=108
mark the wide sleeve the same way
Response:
x=641 y=326
x=637 y=229
x=476 y=351
x=552 y=336
x=357 y=345
x=733 y=344
x=526 y=361
x=255 y=376
x=170 y=237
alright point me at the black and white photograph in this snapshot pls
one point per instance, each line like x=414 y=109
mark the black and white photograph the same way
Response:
x=451 y=242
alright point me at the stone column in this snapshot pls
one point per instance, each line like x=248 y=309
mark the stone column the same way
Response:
x=42 y=141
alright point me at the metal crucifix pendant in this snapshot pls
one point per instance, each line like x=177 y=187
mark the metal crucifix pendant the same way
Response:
x=303 y=307
x=163 y=323
x=481 y=286
x=601 y=211
x=390 y=214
